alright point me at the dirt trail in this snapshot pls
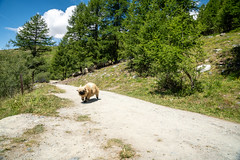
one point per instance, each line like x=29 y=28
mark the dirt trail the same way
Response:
x=154 y=131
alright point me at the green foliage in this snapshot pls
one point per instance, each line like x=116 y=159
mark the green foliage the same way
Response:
x=115 y=12
x=42 y=77
x=62 y=62
x=38 y=102
x=166 y=43
x=160 y=38
x=33 y=36
x=92 y=38
x=12 y=64
x=232 y=66
x=219 y=16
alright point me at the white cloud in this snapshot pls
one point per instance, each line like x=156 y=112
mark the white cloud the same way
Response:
x=194 y=14
x=57 y=21
x=11 y=29
x=14 y=29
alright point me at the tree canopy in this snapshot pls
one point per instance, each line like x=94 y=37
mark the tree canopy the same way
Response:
x=33 y=36
x=159 y=37
x=219 y=16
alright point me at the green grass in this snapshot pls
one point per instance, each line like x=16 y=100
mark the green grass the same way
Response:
x=83 y=118
x=219 y=42
x=48 y=56
x=35 y=130
x=127 y=150
x=220 y=97
x=40 y=101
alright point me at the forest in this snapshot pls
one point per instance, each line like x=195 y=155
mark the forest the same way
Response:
x=158 y=38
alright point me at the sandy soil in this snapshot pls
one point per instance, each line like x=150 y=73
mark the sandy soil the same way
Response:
x=154 y=131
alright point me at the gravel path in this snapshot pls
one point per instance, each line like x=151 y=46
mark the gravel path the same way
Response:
x=154 y=131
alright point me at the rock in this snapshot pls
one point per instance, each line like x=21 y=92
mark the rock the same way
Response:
x=85 y=71
x=135 y=76
x=36 y=86
x=53 y=81
x=204 y=67
x=236 y=45
x=210 y=36
x=222 y=34
x=206 y=60
x=217 y=50
x=76 y=74
x=115 y=66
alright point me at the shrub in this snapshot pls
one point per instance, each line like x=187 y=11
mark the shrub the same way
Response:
x=42 y=77
x=12 y=65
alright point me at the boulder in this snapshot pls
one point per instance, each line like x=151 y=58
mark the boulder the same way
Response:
x=204 y=67
x=85 y=71
x=217 y=50
x=222 y=34
x=76 y=74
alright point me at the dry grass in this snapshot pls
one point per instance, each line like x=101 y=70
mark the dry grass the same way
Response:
x=82 y=118
x=126 y=149
x=40 y=101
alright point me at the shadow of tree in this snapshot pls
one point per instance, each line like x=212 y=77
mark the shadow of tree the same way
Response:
x=232 y=64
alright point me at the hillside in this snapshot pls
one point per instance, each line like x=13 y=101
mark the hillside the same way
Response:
x=220 y=96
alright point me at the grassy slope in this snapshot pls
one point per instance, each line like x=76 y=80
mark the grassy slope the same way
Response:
x=220 y=98
x=40 y=101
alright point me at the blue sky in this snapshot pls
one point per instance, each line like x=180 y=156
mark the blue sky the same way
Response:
x=14 y=13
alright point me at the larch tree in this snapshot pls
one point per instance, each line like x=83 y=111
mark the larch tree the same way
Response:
x=33 y=36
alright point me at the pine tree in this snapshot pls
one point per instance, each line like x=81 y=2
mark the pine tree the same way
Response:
x=33 y=36
x=115 y=11
x=228 y=15
x=165 y=43
x=82 y=37
x=219 y=16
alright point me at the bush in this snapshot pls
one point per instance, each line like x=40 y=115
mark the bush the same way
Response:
x=12 y=65
x=42 y=77
x=167 y=46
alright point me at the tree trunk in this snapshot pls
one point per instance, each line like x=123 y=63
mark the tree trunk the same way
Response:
x=191 y=79
x=33 y=74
